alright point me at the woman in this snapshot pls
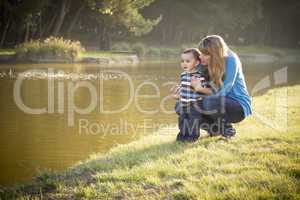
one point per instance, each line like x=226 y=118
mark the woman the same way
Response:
x=229 y=102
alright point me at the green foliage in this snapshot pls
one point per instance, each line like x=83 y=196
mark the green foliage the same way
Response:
x=104 y=20
x=127 y=13
x=240 y=22
x=139 y=49
x=153 y=52
x=121 y=46
x=169 y=52
x=144 y=51
x=7 y=52
x=190 y=20
x=50 y=48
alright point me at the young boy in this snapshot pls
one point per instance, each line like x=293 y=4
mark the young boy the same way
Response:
x=187 y=95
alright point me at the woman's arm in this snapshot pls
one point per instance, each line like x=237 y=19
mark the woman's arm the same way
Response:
x=199 y=88
x=197 y=85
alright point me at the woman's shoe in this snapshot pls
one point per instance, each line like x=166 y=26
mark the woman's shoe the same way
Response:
x=229 y=131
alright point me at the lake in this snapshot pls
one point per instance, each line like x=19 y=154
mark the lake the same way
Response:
x=55 y=115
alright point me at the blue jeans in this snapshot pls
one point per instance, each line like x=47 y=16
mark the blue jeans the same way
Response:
x=213 y=113
x=188 y=122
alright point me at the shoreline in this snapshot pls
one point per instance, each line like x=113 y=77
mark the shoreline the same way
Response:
x=130 y=59
x=247 y=53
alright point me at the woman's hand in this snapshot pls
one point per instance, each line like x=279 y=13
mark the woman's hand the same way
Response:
x=196 y=83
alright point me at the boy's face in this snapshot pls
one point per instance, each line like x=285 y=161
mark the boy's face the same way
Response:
x=188 y=62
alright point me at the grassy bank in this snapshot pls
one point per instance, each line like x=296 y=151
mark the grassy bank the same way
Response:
x=85 y=54
x=266 y=50
x=4 y=52
x=260 y=163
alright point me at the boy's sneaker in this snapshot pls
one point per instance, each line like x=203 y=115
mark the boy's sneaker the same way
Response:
x=180 y=137
x=213 y=134
x=192 y=138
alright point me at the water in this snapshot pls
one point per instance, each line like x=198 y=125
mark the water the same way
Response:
x=57 y=139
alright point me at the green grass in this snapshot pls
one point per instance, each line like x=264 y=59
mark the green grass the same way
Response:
x=5 y=52
x=255 y=49
x=260 y=163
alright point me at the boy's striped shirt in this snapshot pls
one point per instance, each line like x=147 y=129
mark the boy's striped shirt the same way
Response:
x=187 y=93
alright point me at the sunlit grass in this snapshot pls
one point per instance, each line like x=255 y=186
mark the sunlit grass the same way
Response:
x=7 y=52
x=260 y=163
x=52 y=47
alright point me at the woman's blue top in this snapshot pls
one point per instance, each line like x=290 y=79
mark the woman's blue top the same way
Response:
x=234 y=85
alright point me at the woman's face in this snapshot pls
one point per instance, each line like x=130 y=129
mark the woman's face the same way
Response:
x=205 y=58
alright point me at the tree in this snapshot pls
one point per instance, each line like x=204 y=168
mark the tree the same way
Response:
x=189 y=20
x=117 y=16
x=33 y=19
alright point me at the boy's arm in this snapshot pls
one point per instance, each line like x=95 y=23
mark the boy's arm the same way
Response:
x=176 y=92
x=176 y=96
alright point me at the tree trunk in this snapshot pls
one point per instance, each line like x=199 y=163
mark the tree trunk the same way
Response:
x=4 y=33
x=27 y=31
x=74 y=21
x=265 y=33
x=63 y=11
x=164 y=34
x=46 y=30
x=104 y=37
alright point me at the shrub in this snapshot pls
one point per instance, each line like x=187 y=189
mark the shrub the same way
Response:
x=168 y=52
x=121 y=46
x=153 y=52
x=52 y=47
x=139 y=49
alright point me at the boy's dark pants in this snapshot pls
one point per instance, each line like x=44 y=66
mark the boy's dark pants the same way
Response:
x=214 y=114
x=188 y=122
